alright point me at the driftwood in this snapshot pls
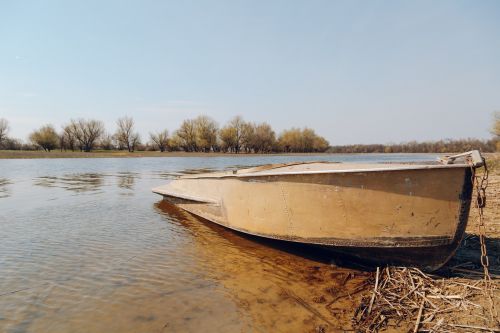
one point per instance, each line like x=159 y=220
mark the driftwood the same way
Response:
x=432 y=303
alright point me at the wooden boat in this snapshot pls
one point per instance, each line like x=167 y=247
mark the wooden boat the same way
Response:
x=411 y=214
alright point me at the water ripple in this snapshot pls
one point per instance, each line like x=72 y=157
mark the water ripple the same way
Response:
x=118 y=259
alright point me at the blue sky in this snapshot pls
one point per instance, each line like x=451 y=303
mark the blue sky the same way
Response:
x=355 y=71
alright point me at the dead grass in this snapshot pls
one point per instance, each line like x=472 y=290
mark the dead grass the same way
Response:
x=409 y=299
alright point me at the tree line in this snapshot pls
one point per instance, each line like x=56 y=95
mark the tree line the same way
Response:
x=203 y=134
x=200 y=134
x=441 y=146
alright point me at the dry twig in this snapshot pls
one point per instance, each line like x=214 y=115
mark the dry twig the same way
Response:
x=408 y=293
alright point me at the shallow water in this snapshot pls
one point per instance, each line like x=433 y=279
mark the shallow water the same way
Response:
x=87 y=247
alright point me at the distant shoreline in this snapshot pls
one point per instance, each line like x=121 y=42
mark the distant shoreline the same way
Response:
x=28 y=154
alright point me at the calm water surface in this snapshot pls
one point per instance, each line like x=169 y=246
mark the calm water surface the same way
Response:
x=85 y=246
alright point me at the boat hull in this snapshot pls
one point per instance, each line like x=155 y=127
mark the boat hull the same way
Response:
x=413 y=216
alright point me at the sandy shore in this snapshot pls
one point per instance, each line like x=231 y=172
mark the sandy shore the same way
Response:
x=492 y=209
x=468 y=255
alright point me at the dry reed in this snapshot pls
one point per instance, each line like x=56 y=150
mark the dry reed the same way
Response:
x=404 y=294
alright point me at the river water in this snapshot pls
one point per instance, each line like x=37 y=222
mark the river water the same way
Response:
x=85 y=246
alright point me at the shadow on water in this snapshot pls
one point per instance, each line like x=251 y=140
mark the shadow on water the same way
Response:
x=4 y=188
x=277 y=283
x=258 y=245
x=467 y=259
x=311 y=252
x=465 y=262
x=304 y=277
x=279 y=275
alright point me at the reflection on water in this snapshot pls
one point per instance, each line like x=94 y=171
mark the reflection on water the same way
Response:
x=126 y=180
x=84 y=182
x=109 y=262
x=4 y=189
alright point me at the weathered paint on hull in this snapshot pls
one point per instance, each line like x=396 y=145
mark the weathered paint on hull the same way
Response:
x=414 y=216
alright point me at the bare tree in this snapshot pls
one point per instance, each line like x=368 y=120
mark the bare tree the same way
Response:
x=92 y=129
x=62 y=141
x=198 y=134
x=248 y=137
x=125 y=134
x=69 y=137
x=174 y=143
x=106 y=141
x=307 y=140
x=228 y=138
x=4 y=129
x=135 y=141
x=45 y=137
x=232 y=134
x=264 y=138
x=12 y=144
x=160 y=139
x=321 y=144
x=73 y=130
x=206 y=133
x=186 y=135
x=289 y=140
x=86 y=132
x=495 y=130
x=302 y=140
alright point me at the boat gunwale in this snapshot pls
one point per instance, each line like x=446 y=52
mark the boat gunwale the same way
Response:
x=219 y=175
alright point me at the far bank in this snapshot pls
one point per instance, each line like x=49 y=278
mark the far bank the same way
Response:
x=23 y=154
